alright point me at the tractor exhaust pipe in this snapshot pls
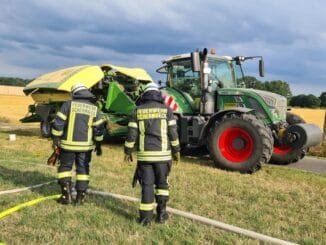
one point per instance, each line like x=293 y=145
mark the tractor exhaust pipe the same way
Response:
x=303 y=135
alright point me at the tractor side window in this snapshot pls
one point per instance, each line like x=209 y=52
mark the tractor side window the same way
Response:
x=184 y=79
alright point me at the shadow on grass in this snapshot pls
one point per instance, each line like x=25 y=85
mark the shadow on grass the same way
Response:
x=114 y=140
x=205 y=161
x=118 y=207
x=197 y=155
x=29 y=178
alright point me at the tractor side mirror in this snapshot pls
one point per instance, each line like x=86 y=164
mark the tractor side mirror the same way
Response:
x=261 y=67
x=195 y=61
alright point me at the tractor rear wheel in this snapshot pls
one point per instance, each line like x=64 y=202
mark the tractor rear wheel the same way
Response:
x=240 y=142
x=284 y=155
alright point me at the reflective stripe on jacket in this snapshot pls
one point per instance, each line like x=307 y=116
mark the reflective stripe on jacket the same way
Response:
x=153 y=129
x=78 y=123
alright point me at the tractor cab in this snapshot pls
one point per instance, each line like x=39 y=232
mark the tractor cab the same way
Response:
x=200 y=77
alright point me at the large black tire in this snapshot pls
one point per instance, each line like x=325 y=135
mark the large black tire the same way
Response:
x=45 y=128
x=284 y=155
x=240 y=142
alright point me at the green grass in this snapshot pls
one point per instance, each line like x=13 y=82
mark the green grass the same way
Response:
x=285 y=203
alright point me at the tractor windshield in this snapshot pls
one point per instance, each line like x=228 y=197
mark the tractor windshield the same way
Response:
x=183 y=78
x=221 y=74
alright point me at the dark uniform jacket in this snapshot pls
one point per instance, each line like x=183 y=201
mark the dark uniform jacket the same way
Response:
x=78 y=123
x=153 y=128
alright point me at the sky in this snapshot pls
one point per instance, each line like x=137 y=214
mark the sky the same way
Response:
x=37 y=37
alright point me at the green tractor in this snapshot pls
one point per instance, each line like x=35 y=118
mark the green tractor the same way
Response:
x=242 y=128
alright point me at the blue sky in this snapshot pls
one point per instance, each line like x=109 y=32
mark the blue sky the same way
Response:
x=41 y=36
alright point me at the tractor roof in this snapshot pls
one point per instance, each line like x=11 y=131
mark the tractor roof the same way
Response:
x=188 y=55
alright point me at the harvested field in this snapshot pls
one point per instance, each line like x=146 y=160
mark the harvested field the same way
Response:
x=11 y=90
x=316 y=116
x=13 y=108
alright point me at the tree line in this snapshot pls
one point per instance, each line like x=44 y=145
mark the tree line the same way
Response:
x=283 y=88
x=14 y=81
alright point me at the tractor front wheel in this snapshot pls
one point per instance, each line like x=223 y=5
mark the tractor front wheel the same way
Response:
x=283 y=155
x=240 y=142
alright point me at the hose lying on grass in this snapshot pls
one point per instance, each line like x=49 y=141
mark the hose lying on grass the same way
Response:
x=188 y=215
x=27 y=204
x=25 y=188
x=204 y=220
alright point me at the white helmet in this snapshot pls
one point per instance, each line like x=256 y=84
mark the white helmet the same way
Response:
x=77 y=87
x=148 y=87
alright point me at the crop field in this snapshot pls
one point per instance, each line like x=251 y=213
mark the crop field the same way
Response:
x=285 y=203
x=11 y=90
x=316 y=116
x=13 y=108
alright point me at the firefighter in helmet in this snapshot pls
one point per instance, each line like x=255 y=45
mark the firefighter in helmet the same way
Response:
x=153 y=129
x=76 y=126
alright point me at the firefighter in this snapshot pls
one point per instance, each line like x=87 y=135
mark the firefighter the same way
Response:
x=77 y=124
x=153 y=129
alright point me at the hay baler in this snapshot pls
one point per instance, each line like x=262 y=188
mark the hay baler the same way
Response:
x=115 y=88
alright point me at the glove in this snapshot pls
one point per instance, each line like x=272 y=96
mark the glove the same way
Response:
x=128 y=158
x=176 y=157
x=98 y=149
x=52 y=160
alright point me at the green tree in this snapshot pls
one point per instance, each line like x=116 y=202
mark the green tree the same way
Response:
x=312 y=101
x=252 y=82
x=297 y=100
x=302 y=100
x=279 y=87
x=14 y=81
x=322 y=98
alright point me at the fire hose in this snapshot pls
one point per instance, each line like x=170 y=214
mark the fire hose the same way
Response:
x=27 y=204
x=25 y=188
x=181 y=213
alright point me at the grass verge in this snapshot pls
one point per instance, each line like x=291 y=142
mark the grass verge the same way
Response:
x=285 y=203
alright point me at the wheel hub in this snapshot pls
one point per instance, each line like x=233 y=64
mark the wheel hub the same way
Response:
x=236 y=144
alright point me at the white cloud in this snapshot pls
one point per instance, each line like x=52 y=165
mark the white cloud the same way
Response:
x=37 y=36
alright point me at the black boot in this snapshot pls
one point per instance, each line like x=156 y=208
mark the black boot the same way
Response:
x=81 y=196
x=145 y=217
x=162 y=215
x=66 y=193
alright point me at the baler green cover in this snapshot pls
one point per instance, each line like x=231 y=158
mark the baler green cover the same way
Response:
x=117 y=101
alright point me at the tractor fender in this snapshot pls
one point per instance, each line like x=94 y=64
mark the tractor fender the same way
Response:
x=215 y=117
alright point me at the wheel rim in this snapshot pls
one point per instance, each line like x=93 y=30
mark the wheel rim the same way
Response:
x=281 y=149
x=236 y=144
